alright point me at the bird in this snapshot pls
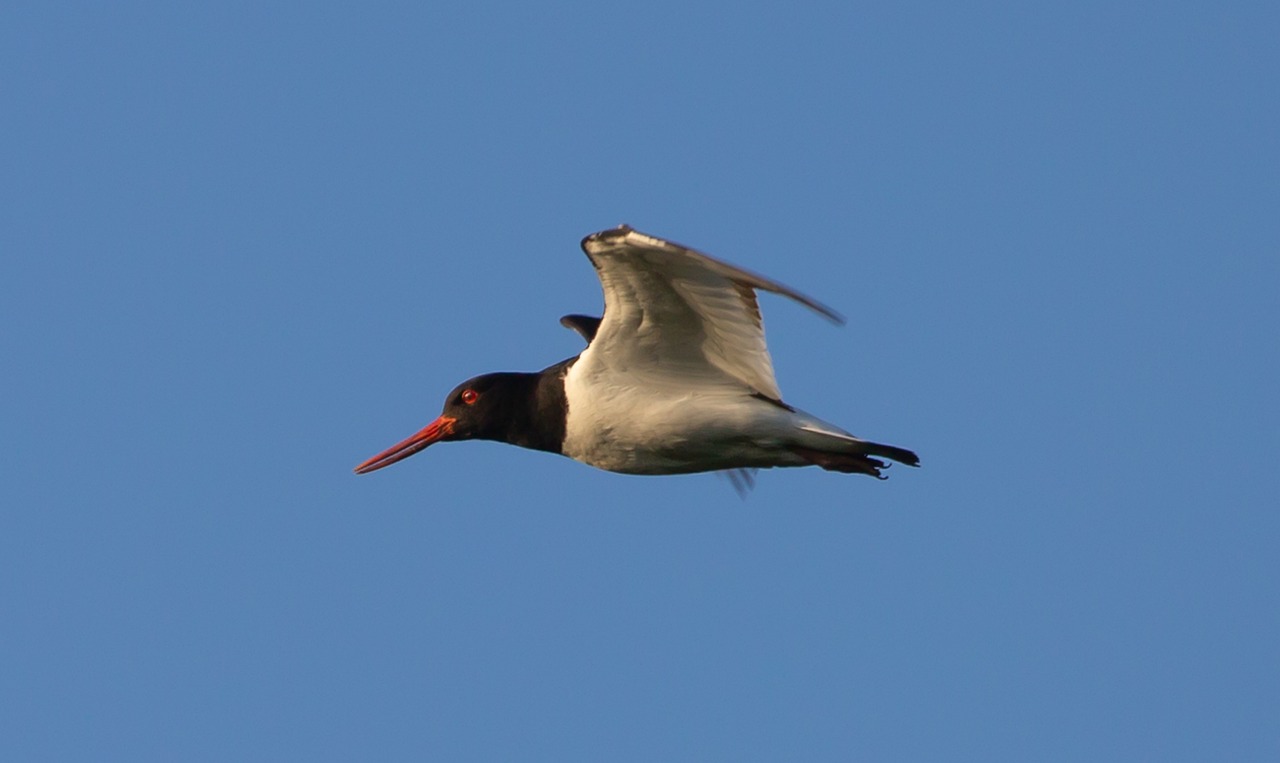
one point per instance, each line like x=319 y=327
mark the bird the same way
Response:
x=676 y=378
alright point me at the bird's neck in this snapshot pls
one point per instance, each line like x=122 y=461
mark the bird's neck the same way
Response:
x=536 y=416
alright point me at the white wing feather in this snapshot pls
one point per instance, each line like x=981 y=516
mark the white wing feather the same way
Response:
x=672 y=312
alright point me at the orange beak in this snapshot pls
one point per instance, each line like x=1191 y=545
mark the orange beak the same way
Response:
x=433 y=432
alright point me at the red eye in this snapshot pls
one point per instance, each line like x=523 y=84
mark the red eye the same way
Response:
x=470 y=396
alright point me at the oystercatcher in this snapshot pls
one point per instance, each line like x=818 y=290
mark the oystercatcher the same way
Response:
x=676 y=378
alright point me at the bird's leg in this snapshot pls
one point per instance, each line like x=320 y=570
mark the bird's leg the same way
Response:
x=847 y=463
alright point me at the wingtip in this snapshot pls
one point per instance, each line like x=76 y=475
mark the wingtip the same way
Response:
x=831 y=315
x=585 y=325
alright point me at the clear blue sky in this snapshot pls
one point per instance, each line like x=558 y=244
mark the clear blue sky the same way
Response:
x=247 y=246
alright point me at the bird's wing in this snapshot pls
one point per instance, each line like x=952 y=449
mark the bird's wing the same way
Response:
x=583 y=324
x=673 y=312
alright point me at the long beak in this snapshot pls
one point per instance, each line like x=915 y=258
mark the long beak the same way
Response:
x=433 y=432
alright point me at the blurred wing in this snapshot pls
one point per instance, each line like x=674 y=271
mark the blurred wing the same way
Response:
x=676 y=314
x=743 y=480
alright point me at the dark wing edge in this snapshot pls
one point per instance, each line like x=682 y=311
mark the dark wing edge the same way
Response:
x=585 y=325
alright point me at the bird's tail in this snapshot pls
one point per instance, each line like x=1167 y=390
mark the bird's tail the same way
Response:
x=824 y=444
x=856 y=457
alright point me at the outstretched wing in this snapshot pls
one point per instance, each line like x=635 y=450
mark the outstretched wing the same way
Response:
x=674 y=312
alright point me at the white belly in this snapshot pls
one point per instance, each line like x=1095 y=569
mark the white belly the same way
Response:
x=619 y=423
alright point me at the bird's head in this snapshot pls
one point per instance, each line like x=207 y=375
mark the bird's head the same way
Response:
x=481 y=408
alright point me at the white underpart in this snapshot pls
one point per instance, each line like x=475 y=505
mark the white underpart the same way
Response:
x=673 y=380
x=647 y=425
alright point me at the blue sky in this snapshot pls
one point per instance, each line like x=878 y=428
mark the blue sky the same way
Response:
x=248 y=246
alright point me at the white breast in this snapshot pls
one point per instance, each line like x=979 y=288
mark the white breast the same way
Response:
x=643 y=424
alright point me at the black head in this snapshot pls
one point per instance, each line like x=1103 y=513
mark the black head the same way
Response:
x=501 y=406
x=485 y=407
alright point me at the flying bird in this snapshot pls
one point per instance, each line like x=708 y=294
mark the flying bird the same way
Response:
x=675 y=378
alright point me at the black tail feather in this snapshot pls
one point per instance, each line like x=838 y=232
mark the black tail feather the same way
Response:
x=858 y=463
x=901 y=455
